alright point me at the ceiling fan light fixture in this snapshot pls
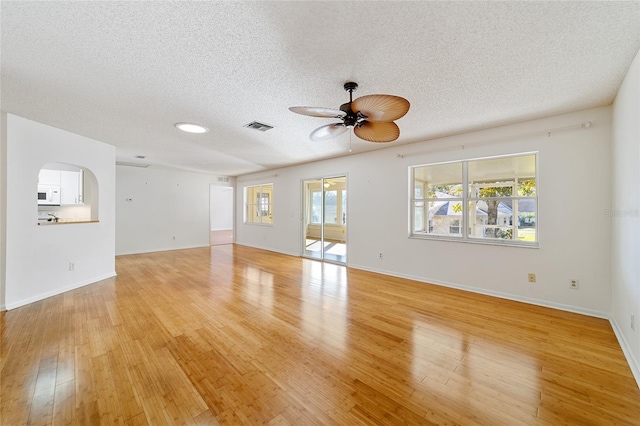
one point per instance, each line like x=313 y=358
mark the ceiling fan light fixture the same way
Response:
x=191 y=128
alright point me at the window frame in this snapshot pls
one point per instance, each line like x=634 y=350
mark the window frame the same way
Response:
x=467 y=199
x=259 y=204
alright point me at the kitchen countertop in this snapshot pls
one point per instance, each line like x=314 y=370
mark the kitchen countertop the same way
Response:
x=65 y=222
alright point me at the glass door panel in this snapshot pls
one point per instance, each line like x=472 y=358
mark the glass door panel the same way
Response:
x=325 y=219
x=330 y=207
x=312 y=221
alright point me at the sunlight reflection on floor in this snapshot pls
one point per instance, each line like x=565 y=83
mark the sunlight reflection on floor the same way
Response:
x=333 y=251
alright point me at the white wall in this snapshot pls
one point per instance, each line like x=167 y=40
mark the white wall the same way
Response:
x=574 y=184
x=38 y=257
x=164 y=204
x=3 y=207
x=625 y=217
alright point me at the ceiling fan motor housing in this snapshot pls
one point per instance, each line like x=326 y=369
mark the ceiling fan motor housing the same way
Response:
x=351 y=119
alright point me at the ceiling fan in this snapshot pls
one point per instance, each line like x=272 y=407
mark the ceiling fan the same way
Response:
x=370 y=116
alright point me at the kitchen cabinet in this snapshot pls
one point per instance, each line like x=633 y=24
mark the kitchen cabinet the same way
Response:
x=49 y=177
x=70 y=183
x=70 y=187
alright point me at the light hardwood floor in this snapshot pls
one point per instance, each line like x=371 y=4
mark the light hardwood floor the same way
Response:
x=235 y=335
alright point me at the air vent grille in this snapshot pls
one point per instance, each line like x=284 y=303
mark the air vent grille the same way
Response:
x=223 y=179
x=256 y=125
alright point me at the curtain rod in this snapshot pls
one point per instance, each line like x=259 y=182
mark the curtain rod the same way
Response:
x=584 y=125
x=575 y=126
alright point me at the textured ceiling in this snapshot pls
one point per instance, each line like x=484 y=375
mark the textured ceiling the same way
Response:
x=125 y=72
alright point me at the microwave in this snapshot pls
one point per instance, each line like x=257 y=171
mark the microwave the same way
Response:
x=48 y=195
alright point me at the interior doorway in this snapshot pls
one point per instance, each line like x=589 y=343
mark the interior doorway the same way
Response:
x=220 y=215
x=325 y=219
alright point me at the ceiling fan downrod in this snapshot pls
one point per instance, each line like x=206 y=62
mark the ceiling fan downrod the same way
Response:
x=351 y=119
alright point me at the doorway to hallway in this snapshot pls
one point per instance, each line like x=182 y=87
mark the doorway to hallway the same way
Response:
x=220 y=215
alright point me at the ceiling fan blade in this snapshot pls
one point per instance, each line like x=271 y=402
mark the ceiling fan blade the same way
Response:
x=327 y=132
x=381 y=107
x=318 y=111
x=377 y=131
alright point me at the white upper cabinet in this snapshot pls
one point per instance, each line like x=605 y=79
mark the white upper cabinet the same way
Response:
x=70 y=187
x=49 y=177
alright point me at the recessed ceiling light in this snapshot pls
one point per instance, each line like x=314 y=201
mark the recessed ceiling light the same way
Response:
x=191 y=128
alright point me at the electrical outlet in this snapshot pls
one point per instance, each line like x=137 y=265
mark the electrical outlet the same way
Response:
x=72 y=266
x=532 y=278
x=574 y=284
x=174 y=238
x=380 y=255
x=633 y=322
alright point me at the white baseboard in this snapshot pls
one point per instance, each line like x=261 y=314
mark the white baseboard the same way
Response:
x=3 y=308
x=628 y=353
x=57 y=291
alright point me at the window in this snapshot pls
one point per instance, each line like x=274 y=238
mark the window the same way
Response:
x=258 y=201
x=343 y=207
x=331 y=207
x=316 y=206
x=488 y=200
x=335 y=203
x=263 y=205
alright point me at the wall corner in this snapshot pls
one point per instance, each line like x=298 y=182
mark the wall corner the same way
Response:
x=3 y=208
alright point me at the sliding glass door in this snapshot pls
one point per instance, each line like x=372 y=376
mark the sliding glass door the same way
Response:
x=325 y=219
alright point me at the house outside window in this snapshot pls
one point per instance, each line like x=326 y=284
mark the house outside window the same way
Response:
x=482 y=200
x=454 y=226
x=258 y=201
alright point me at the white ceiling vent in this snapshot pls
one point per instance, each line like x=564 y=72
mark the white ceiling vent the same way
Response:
x=223 y=179
x=258 y=126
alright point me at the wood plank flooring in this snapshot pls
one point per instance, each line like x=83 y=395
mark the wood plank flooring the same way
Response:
x=235 y=335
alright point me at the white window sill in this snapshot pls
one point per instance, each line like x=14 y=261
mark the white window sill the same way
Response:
x=509 y=243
